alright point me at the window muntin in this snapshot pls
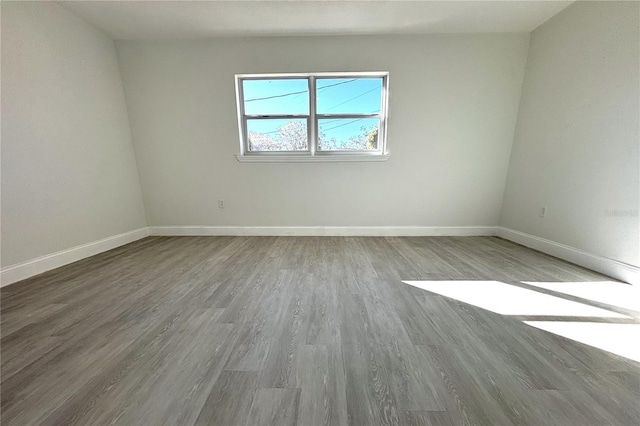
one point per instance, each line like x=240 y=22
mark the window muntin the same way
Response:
x=332 y=112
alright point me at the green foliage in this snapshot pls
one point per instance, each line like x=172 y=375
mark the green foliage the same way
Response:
x=372 y=138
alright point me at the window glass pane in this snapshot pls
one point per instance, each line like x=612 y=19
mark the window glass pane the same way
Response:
x=277 y=134
x=348 y=134
x=277 y=96
x=348 y=95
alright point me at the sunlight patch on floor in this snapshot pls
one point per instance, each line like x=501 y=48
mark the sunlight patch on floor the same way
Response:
x=620 y=339
x=609 y=292
x=508 y=299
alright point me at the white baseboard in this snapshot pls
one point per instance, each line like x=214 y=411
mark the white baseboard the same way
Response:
x=327 y=231
x=21 y=271
x=613 y=268
x=622 y=271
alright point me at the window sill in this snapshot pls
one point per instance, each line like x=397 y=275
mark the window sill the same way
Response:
x=337 y=158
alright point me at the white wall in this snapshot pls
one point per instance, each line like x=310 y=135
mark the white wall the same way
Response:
x=68 y=168
x=453 y=108
x=577 y=139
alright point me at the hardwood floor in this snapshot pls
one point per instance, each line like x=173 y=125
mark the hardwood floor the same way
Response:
x=301 y=330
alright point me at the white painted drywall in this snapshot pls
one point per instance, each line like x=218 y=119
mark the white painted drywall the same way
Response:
x=68 y=168
x=576 y=148
x=452 y=109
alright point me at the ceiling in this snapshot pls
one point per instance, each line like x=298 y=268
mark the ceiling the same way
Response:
x=195 y=19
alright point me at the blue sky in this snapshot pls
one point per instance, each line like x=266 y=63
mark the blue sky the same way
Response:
x=334 y=96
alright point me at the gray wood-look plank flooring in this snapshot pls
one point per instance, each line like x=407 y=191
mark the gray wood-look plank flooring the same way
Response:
x=299 y=330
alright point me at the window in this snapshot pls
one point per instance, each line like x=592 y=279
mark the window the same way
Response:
x=320 y=116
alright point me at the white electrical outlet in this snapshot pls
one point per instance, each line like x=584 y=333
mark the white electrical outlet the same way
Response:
x=221 y=204
x=543 y=212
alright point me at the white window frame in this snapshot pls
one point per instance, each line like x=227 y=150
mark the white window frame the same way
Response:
x=312 y=153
